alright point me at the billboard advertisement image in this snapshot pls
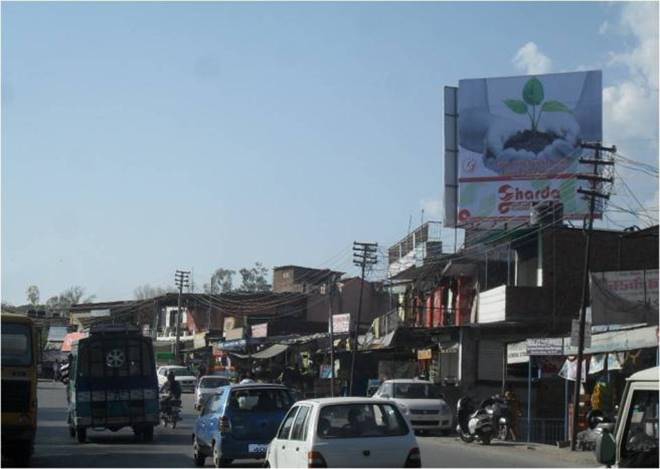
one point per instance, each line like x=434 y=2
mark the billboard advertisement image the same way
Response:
x=519 y=143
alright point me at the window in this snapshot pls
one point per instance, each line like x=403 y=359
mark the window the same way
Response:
x=299 y=431
x=360 y=421
x=283 y=434
x=640 y=437
x=259 y=400
x=213 y=405
x=213 y=382
x=16 y=345
x=417 y=391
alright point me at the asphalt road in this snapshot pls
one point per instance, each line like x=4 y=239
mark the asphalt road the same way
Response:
x=172 y=448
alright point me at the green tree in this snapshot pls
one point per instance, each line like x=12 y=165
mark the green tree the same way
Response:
x=221 y=282
x=255 y=279
x=32 y=294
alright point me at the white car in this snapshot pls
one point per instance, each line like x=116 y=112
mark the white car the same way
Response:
x=181 y=374
x=421 y=402
x=207 y=386
x=344 y=432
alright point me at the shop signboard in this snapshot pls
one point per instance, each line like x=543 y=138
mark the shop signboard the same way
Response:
x=341 y=323
x=199 y=340
x=545 y=346
x=575 y=333
x=637 y=286
x=260 y=330
x=425 y=354
x=519 y=144
x=517 y=353
x=99 y=313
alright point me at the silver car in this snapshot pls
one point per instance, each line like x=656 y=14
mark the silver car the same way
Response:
x=207 y=386
x=421 y=402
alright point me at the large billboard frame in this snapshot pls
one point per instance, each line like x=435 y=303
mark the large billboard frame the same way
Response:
x=491 y=184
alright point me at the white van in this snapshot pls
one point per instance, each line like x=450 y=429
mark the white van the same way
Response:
x=633 y=441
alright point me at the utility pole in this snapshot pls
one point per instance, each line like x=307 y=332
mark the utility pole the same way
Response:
x=332 y=288
x=181 y=280
x=596 y=180
x=364 y=254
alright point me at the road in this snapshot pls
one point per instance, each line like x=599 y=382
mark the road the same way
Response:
x=172 y=448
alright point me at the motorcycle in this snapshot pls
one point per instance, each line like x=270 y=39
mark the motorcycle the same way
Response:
x=489 y=420
x=170 y=412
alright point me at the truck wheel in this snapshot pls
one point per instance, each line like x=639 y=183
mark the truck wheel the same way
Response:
x=82 y=434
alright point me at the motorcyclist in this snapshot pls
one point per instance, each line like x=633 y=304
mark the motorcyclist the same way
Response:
x=172 y=391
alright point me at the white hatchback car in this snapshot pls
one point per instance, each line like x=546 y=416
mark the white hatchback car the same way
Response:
x=181 y=374
x=421 y=402
x=344 y=432
x=208 y=386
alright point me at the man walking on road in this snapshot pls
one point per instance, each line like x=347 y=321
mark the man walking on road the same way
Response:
x=56 y=370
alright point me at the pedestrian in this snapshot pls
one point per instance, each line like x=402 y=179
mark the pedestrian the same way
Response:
x=56 y=370
x=515 y=412
x=201 y=370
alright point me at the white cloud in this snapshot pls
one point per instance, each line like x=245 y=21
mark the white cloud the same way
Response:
x=630 y=112
x=640 y=19
x=530 y=60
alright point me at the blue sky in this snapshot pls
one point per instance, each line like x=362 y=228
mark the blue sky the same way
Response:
x=138 y=138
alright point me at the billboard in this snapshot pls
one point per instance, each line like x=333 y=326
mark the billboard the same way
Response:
x=519 y=143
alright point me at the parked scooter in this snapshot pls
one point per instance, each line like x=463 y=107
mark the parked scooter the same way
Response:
x=170 y=412
x=488 y=421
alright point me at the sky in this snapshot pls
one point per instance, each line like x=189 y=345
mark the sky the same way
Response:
x=141 y=138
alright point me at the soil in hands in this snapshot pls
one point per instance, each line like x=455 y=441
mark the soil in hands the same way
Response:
x=530 y=140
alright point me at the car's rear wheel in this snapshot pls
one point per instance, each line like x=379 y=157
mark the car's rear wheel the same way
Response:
x=198 y=458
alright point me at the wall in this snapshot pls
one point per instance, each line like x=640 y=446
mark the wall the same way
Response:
x=563 y=263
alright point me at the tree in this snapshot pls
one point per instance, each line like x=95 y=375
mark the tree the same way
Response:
x=68 y=297
x=254 y=279
x=221 y=282
x=145 y=292
x=32 y=294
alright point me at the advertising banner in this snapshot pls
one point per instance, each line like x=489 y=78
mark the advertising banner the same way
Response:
x=519 y=143
x=341 y=323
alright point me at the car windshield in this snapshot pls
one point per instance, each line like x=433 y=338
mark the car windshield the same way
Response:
x=179 y=372
x=208 y=383
x=417 y=391
x=260 y=400
x=360 y=421
x=16 y=345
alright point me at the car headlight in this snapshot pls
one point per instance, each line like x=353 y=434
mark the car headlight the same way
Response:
x=404 y=409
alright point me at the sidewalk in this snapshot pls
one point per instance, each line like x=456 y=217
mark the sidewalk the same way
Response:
x=578 y=458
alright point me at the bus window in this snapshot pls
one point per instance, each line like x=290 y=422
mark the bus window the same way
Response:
x=16 y=345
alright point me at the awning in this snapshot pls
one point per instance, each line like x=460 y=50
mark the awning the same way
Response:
x=70 y=339
x=270 y=352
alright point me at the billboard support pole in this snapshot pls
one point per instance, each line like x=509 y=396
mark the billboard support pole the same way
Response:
x=595 y=180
